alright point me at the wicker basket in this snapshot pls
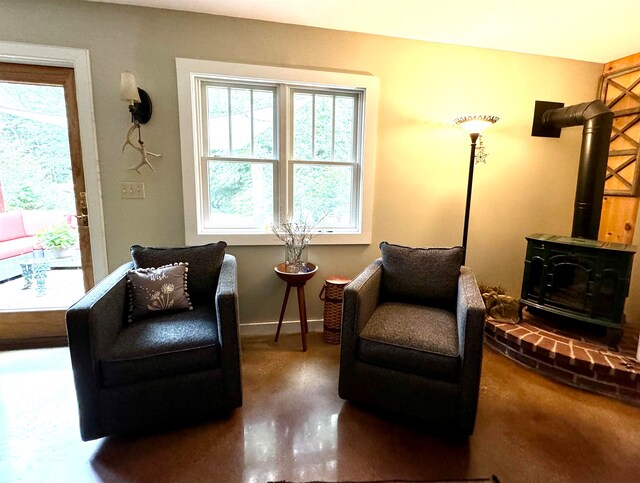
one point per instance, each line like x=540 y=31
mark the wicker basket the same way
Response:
x=332 y=295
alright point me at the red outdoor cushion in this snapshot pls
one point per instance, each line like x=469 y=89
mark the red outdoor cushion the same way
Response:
x=13 y=248
x=11 y=226
x=35 y=221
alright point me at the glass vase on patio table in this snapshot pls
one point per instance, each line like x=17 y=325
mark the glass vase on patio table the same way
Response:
x=295 y=258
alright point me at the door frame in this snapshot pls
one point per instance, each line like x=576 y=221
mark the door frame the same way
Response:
x=49 y=325
x=78 y=60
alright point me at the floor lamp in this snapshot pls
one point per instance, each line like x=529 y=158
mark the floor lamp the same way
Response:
x=474 y=125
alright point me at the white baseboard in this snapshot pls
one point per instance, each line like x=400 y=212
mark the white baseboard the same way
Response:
x=269 y=328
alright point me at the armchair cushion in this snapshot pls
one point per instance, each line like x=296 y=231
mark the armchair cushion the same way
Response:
x=421 y=275
x=153 y=290
x=414 y=339
x=163 y=346
x=204 y=265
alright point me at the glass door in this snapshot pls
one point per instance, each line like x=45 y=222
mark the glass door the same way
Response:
x=45 y=255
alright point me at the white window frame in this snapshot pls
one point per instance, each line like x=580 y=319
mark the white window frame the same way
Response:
x=188 y=70
x=205 y=158
x=356 y=159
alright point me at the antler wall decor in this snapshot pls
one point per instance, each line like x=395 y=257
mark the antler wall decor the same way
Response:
x=140 y=109
x=142 y=150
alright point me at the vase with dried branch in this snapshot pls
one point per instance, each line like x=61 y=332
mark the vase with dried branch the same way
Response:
x=296 y=236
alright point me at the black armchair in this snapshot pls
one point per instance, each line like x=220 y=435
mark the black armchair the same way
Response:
x=169 y=369
x=412 y=332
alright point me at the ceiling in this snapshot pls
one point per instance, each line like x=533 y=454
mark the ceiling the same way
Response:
x=589 y=30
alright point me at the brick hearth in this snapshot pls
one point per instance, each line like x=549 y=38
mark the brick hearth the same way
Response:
x=575 y=360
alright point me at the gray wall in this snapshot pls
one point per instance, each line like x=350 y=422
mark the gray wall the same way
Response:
x=527 y=185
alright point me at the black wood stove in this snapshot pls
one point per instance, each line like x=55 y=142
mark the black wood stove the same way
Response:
x=584 y=280
x=579 y=277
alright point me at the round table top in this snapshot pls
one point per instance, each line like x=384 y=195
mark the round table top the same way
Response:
x=337 y=279
x=35 y=261
x=295 y=278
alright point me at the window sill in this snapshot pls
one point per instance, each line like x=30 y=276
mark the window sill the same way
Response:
x=267 y=239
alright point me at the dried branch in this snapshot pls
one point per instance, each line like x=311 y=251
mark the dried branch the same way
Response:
x=295 y=232
x=296 y=235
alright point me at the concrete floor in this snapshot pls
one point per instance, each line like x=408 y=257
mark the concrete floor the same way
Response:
x=294 y=426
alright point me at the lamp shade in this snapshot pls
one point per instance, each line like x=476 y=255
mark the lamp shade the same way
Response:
x=129 y=87
x=475 y=123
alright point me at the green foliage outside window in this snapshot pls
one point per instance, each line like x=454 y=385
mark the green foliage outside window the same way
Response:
x=58 y=236
x=35 y=167
x=323 y=130
x=241 y=190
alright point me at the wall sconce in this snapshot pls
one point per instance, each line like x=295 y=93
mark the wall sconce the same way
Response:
x=474 y=125
x=140 y=109
x=138 y=99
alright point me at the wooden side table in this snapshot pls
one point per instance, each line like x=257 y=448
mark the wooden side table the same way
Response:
x=297 y=280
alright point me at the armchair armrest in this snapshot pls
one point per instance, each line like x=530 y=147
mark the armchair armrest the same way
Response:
x=227 y=311
x=470 y=314
x=361 y=297
x=360 y=300
x=93 y=324
x=96 y=319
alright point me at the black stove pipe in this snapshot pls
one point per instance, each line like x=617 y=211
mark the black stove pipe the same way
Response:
x=597 y=120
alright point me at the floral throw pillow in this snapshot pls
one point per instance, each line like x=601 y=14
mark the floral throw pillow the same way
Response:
x=153 y=290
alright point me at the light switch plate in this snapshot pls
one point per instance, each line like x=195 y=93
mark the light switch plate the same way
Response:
x=131 y=190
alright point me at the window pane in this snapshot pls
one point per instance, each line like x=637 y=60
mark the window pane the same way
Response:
x=263 y=138
x=343 y=141
x=240 y=123
x=218 y=120
x=240 y=194
x=302 y=126
x=323 y=146
x=35 y=161
x=323 y=193
x=250 y=113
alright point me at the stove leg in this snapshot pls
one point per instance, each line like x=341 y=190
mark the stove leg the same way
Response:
x=613 y=337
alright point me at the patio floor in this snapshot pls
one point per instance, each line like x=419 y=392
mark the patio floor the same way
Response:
x=63 y=288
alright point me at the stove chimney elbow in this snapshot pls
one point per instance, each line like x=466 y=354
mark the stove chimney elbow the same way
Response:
x=597 y=120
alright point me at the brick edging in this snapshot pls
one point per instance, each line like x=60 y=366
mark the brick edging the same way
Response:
x=573 y=362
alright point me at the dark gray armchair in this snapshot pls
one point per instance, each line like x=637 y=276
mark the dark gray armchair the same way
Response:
x=412 y=333
x=161 y=371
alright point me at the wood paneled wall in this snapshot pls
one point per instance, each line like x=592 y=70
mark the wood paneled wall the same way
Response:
x=620 y=91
